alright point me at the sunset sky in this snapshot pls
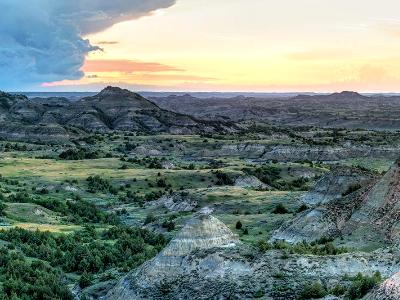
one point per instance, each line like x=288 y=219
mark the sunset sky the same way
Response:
x=231 y=45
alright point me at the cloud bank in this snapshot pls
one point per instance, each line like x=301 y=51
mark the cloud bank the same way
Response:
x=41 y=40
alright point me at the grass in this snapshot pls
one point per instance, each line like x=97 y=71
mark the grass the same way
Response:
x=58 y=228
x=31 y=213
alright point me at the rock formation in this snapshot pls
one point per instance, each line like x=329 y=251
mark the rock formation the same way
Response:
x=206 y=261
x=177 y=202
x=250 y=182
x=388 y=290
x=368 y=217
x=202 y=232
x=336 y=183
x=112 y=109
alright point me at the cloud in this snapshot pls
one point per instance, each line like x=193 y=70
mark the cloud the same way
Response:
x=126 y=66
x=41 y=40
x=107 y=43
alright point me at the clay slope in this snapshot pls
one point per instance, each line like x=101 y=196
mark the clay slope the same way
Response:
x=368 y=217
x=200 y=233
x=206 y=261
x=112 y=109
x=336 y=183
x=388 y=290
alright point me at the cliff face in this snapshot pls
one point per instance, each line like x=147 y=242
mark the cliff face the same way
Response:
x=206 y=261
x=203 y=232
x=336 y=183
x=388 y=290
x=368 y=217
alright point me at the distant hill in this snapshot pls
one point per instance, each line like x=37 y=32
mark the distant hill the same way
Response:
x=339 y=110
x=57 y=118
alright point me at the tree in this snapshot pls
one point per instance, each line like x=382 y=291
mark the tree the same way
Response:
x=2 y=208
x=239 y=225
x=280 y=209
x=85 y=280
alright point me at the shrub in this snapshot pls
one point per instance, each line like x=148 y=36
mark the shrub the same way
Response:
x=2 y=208
x=302 y=208
x=361 y=285
x=169 y=225
x=223 y=178
x=267 y=174
x=22 y=279
x=150 y=218
x=239 y=225
x=98 y=184
x=351 y=189
x=313 y=291
x=85 y=280
x=280 y=209
x=259 y=294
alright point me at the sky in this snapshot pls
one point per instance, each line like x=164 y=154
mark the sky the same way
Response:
x=200 y=45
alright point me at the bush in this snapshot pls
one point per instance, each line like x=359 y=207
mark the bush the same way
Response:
x=98 y=184
x=150 y=218
x=313 y=291
x=361 y=285
x=20 y=197
x=83 y=251
x=161 y=183
x=223 y=178
x=239 y=225
x=85 y=280
x=79 y=154
x=302 y=208
x=259 y=294
x=2 y=208
x=338 y=290
x=351 y=189
x=169 y=225
x=280 y=209
x=303 y=248
x=267 y=174
x=35 y=280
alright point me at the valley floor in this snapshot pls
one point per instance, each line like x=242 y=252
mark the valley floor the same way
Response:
x=82 y=214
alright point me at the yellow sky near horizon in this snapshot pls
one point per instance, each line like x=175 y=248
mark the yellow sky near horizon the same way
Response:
x=253 y=45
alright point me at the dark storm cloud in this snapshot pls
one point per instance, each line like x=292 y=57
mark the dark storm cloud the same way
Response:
x=41 y=40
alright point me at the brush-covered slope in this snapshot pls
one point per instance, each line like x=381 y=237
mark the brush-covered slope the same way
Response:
x=368 y=217
x=112 y=109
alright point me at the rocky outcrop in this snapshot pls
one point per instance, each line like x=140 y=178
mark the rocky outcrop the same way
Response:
x=388 y=290
x=292 y=153
x=336 y=184
x=111 y=109
x=250 y=182
x=200 y=233
x=207 y=261
x=369 y=217
x=177 y=202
